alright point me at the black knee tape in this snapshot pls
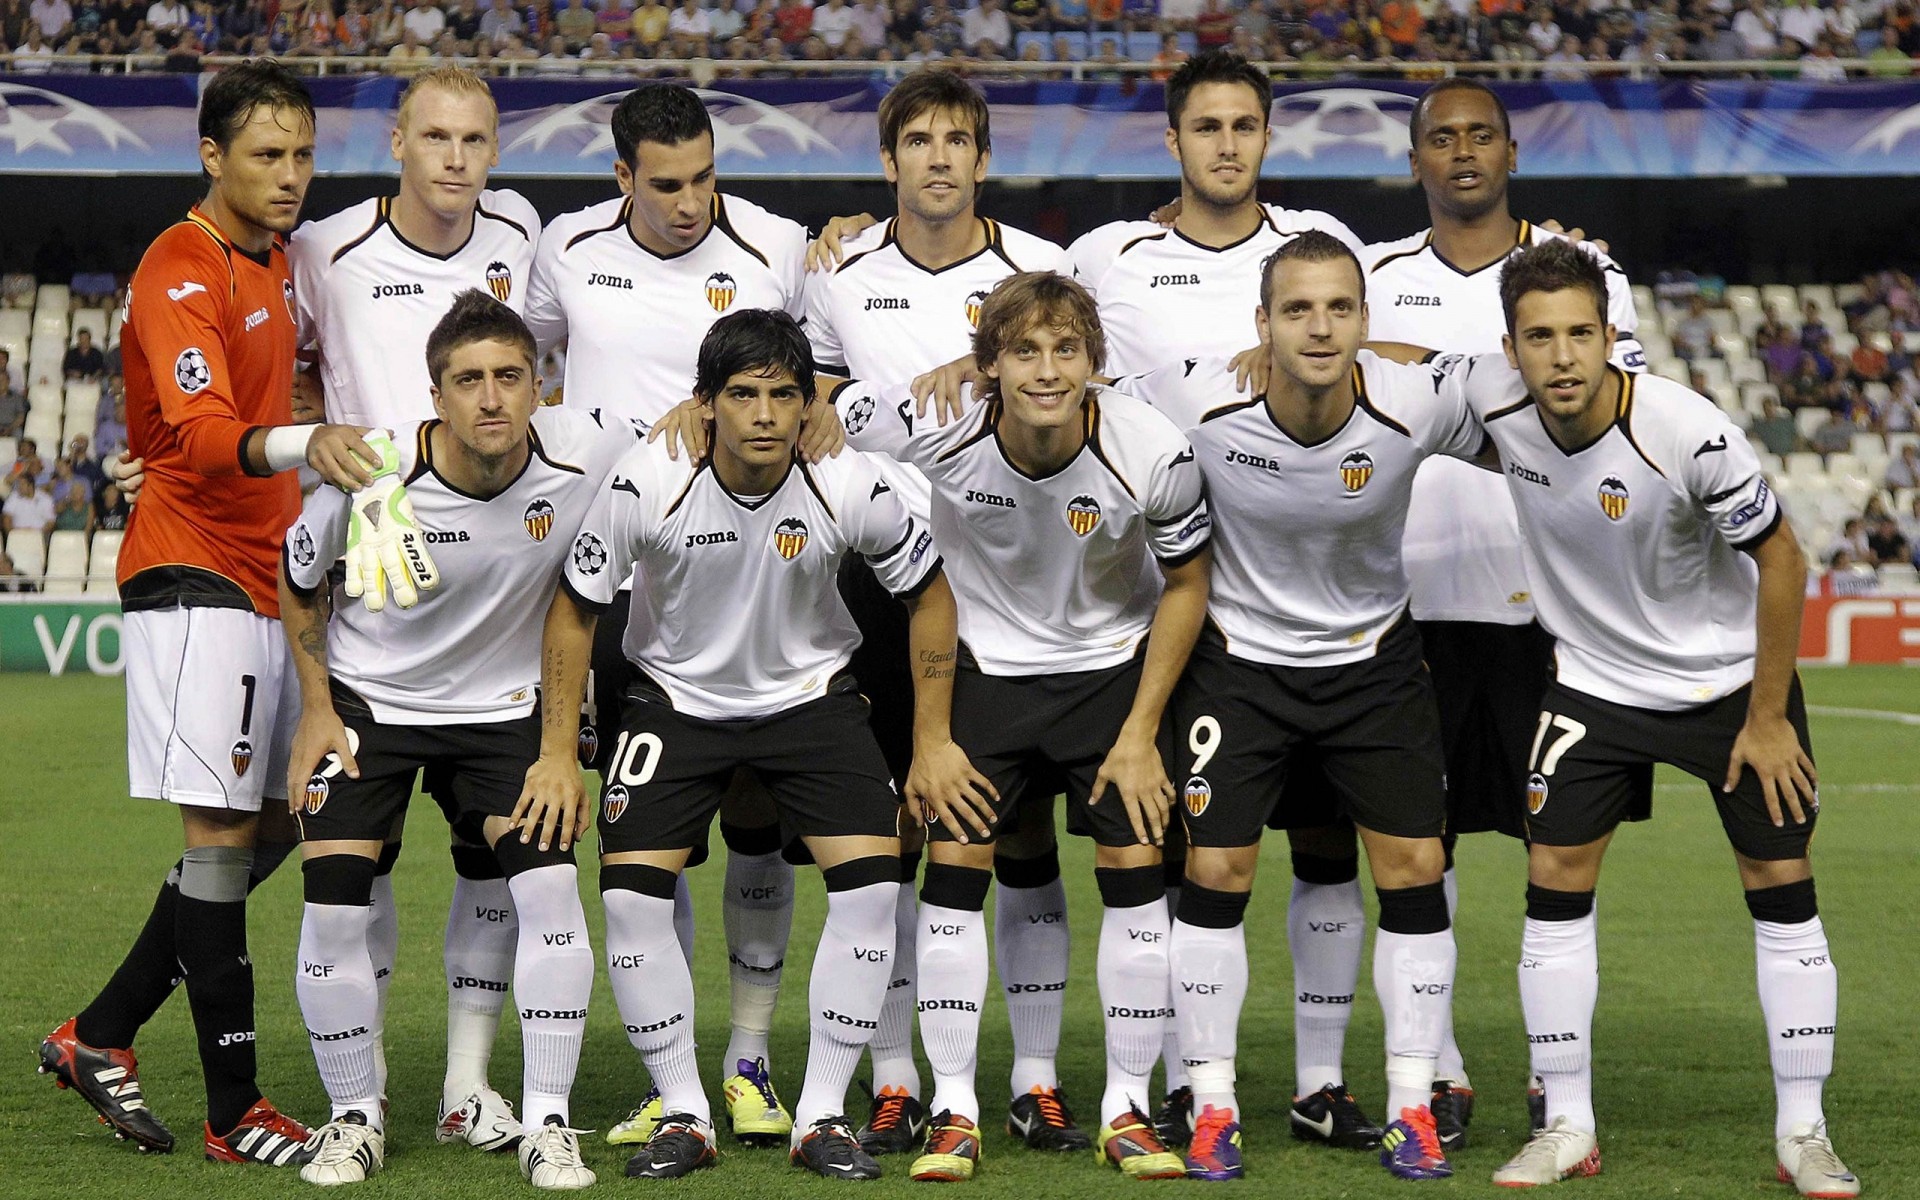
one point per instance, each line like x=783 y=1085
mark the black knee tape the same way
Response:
x=475 y=862
x=657 y=882
x=1130 y=887
x=1788 y=904
x=743 y=839
x=861 y=872
x=1210 y=909
x=1421 y=909
x=1311 y=868
x=960 y=888
x=1173 y=873
x=1028 y=872
x=909 y=867
x=517 y=858
x=267 y=857
x=389 y=855
x=1545 y=904
x=343 y=879
x=1448 y=841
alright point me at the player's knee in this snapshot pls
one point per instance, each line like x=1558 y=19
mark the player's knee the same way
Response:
x=1414 y=910
x=643 y=879
x=963 y=889
x=516 y=857
x=339 y=879
x=1032 y=835
x=1565 y=868
x=1207 y=908
x=754 y=841
x=1323 y=871
x=475 y=863
x=1222 y=869
x=389 y=856
x=1130 y=887
x=1760 y=873
x=215 y=874
x=1792 y=903
x=1325 y=841
x=1026 y=871
x=1405 y=862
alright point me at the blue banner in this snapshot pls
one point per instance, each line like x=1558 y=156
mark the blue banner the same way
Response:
x=825 y=128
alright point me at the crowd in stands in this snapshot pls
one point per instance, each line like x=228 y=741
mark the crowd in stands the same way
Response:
x=1805 y=38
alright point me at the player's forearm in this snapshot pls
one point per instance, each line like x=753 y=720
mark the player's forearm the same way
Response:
x=304 y=619
x=566 y=652
x=1176 y=627
x=932 y=643
x=1783 y=586
x=1400 y=352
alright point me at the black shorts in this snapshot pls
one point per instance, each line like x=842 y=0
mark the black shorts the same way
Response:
x=1369 y=727
x=667 y=772
x=607 y=684
x=881 y=661
x=478 y=772
x=1035 y=735
x=1488 y=681
x=1592 y=768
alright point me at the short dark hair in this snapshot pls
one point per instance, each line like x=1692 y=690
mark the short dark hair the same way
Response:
x=1551 y=266
x=1315 y=245
x=933 y=88
x=1018 y=303
x=1215 y=66
x=667 y=113
x=753 y=341
x=1458 y=83
x=476 y=317
x=233 y=94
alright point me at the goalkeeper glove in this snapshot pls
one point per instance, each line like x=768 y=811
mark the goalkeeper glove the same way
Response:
x=385 y=547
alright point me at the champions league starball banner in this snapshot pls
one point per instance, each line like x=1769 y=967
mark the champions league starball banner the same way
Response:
x=825 y=128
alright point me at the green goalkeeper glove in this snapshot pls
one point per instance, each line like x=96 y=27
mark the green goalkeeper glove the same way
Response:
x=385 y=547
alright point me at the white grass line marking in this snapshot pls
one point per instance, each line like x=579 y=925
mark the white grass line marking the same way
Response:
x=1864 y=714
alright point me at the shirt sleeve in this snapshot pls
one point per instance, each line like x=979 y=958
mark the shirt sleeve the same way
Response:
x=792 y=266
x=1456 y=431
x=181 y=323
x=610 y=538
x=1170 y=389
x=829 y=357
x=546 y=317
x=877 y=420
x=1722 y=472
x=305 y=260
x=1178 y=522
x=317 y=540
x=879 y=527
x=1628 y=353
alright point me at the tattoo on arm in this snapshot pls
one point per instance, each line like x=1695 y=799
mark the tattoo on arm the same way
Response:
x=938 y=664
x=313 y=643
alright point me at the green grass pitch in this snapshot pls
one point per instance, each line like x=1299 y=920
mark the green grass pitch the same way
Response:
x=1683 y=1089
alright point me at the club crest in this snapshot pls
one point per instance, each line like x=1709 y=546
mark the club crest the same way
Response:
x=1355 y=469
x=1613 y=497
x=241 y=757
x=499 y=281
x=1083 y=514
x=721 y=289
x=1197 y=796
x=1536 y=793
x=614 y=803
x=588 y=746
x=975 y=302
x=539 y=519
x=790 y=537
x=318 y=789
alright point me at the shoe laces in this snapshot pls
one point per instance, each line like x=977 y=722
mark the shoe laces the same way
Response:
x=1547 y=1143
x=1425 y=1136
x=1053 y=1110
x=557 y=1147
x=275 y=1121
x=1209 y=1129
x=1816 y=1150
x=757 y=1075
x=332 y=1146
x=889 y=1109
x=949 y=1137
x=1140 y=1132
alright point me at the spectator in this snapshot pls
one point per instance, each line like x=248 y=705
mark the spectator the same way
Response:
x=353 y=30
x=1812 y=326
x=516 y=49
x=1213 y=28
x=1886 y=543
x=558 y=60
x=389 y=25
x=52 y=18
x=614 y=18
x=85 y=466
x=1853 y=539
x=871 y=19
x=1843 y=24
x=689 y=27
x=1069 y=15
x=793 y=21
x=1775 y=428
x=9 y=581
x=110 y=435
x=727 y=21
x=501 y=19
x=1801 y=20
x=426 y=21
x=1757 y=30
x=1181 y=14
x=985 y=28
x=1028 y=16
x=1910 y=521
x=110 y=507
x=464 y=23
x=1402 y=24
x=73 y=506
x=1544 y=33
x=30 y=508
x=13 y=407
x=943 y=24
x=1846 y=576
x=1169 y=57
x=166 y=18
x=10 y=376
x=27 y=464
x=83 y=359
x=410 y=55
x=1693 y=333
x=1836 y=436
x=1568 y=52
x=1819 y=65
x=1904 y=472
x=35 y=56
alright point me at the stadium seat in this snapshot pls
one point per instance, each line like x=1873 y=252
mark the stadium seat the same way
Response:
x=1783 y=298
x=1844 y=343
x=94 y=320
x=104 y=561
x=113 y=327
x=1674 y=369
x=1900 y=579
x=1807 y=420
x=1754 y=395
x=66 y=563
x=53 y=297
x=1742 y=297
x=1845 y=464
x=1869 y=447
x=83 y=403
x=43 y=426
x=28 y=550
x=1022 y=40
x=50 y=325
x=1643 y=301
x=1820 y=293
x=1805 y=464
x=1771 y=465
x=1896 y=442
x=1734 y=347
x=1728 y=401
x=1847 y=293
x=46 y=393
x=16 y=324
x=1746 y=370
x=1724 y=321
x=17 y=289
x=1715 y=371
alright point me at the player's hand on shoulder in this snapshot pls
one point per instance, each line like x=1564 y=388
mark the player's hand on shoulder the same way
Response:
x=309 y=397
x=320 y=733
x=1134 y=772
x=386 y=548
x=1771 y=748
x=128 y=473
x=822 y=435
x=688 y=425
x=941 y=386
x=1166 y=214
x=552 y=803
x=1575 y=234
x=943 y=786
x=1250 y=370
x=828 y=251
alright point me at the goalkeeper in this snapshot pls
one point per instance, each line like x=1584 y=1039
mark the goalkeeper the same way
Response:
x=446 y=683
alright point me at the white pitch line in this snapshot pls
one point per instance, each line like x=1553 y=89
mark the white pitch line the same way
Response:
x=1864 y=714
x=1826 y=789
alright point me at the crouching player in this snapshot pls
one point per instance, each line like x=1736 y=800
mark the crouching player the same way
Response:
x=740 y=644
x=446 y=685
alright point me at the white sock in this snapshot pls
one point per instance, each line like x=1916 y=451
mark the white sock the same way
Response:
x=339 y=1003
x=481 y=937
x=1413 y=976
x=683 y=916
x=1559 y=985
x=851 y=968
x=1800 y=998
x=1326 y=932
x=383 y=947
x=552 y=978
x=758 y=912
x=952 y=949
x=1209 y=988
x=1450 y=1064
x=1171 y=1056
x=892 y=1045
x=653 y=986
x=1032 y=948
x=1132 y=970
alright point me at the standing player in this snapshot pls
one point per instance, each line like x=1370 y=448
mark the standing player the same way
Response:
x=1166 y=294
x=208 y=346
x=633 y=285
x=1490 y=659
x=1310 y=650
x=447 y=686
x=1662 y=565
x=905 y=299
x=370 y=283
x=1070 y=503
x=758 y=681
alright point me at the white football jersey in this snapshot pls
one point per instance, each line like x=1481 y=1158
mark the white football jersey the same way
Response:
x=633 y=320
x=469 y=651
x=1164 y=297
x=1051 y=574
x=1632 y=541
x=368 y=298
x=1463 y=541
x=1306 y=538
x=883 y=318
x=741 y=614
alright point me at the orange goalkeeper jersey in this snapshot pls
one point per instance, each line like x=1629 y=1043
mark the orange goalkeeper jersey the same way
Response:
x=207 y=349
